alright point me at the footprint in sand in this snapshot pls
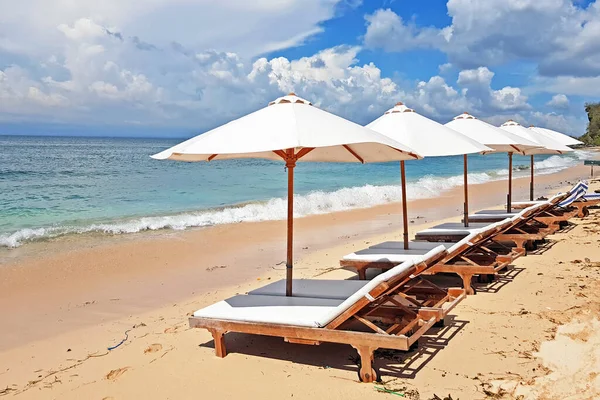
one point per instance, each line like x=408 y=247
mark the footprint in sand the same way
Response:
x=153 y=348
x=172 y=329
x=115 y=373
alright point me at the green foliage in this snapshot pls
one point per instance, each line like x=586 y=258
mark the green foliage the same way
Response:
x=592 y=135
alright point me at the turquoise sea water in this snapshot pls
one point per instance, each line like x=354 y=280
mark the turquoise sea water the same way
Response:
x=52 y=186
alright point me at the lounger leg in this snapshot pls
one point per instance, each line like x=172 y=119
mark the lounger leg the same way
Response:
x=362 y=274
x=366 y=373
x=218 y=336
x=467 y=282
x=520 y=243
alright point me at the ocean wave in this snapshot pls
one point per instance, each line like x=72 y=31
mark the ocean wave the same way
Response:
x=317 y=202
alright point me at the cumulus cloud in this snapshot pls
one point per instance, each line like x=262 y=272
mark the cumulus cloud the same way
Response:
x=177 y=86
x=551 y=33
x=109 y=64
x=389 y=31
x=559 y=101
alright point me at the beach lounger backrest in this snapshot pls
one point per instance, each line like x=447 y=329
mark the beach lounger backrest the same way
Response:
x=380 y=284
x=465 y=243
x=574 y=196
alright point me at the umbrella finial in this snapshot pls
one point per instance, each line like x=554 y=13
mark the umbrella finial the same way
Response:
x=290 y=98
x=398 y=108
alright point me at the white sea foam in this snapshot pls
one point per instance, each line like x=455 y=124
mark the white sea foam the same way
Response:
x=317 y=202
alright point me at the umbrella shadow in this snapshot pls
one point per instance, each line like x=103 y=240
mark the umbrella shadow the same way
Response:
x=392 y=363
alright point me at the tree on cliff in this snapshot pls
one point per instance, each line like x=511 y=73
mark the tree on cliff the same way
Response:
x=592 y=135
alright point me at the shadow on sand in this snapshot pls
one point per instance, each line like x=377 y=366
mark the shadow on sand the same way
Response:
x=390 y=363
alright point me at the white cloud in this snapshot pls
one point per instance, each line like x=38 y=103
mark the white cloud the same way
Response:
x=559 y=101
x=476 y=84
x=551 y=33
x=444 y=68
x=387 y=30
x=246 y=27
x=180 y=87
x=559 y=122
x=569 y=85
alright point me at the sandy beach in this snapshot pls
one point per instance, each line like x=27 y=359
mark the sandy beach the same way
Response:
x=64 y=302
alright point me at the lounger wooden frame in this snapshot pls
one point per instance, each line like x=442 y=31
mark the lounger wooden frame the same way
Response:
x=477 y=257
x=528 y=229
x=549 y=219
x=403 y=324
x=581 y=205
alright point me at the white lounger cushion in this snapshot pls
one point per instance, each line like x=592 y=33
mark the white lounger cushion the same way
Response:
x=318 y=288
x=412 y=245
x=498 y=213
x=455 y=228
x=299 y=311
x=323 y=288
x=394 y=251
x=393 y=256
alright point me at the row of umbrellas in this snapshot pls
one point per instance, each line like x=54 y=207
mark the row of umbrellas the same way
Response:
x=291 y=129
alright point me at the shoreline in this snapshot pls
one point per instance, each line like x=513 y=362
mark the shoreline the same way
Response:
x=151 y=269
x=249 y=211
x=85 y=293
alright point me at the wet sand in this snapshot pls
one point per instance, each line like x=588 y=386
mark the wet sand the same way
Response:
x=70 y=298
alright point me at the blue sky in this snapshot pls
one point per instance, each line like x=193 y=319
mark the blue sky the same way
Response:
x=180 y=67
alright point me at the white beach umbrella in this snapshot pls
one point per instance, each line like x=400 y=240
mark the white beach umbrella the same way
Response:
x=290 y=129
x=557 y=136
x=547 y=146
x=428 y=138
x=498 y=139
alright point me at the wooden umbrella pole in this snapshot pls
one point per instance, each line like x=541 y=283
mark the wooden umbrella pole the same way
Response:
x=290 y=164
x=466 y=184
x=404 y=212
x=531 y=183
x=508 y=203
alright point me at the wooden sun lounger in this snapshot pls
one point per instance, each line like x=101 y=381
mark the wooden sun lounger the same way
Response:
x=522 y=230
x=582 y=204
x=549 y=220
x=368 y=319
x=574 y=202
x=474 y=254
x=547 y=214
x=526 y=229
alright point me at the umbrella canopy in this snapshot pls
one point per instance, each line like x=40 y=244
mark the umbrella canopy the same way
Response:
x=557 y=136
x=498 y=139
x=290 y=122
x=290 y=129
x=547 y=146
x=429 y=138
